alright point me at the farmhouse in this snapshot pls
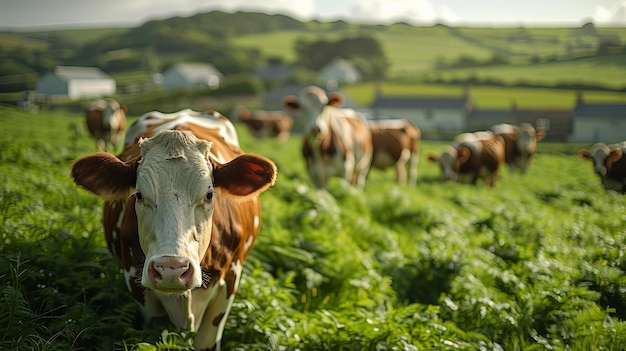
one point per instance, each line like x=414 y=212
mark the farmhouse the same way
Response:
x=191 y=75
x=340 y=71
x=598 y=122
x=75 y=83
x=435 y=115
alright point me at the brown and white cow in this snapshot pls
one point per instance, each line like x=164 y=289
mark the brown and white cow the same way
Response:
x=609 y=163
x=106 y=121
x=337 y=142
x=520 y=143
x=477 y=155
x=396 y=143
x=181 y=213
x=263 y=124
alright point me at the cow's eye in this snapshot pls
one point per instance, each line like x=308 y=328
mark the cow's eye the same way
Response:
x=209 y=195
x=138 y=196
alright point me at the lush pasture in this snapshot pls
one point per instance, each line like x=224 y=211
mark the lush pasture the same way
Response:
x=536 y=263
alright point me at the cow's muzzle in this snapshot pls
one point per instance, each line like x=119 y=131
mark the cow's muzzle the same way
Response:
x=172 y=274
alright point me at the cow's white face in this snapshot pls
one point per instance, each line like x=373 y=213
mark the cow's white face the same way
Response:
x=174 y=206
x=448 y=163
x=599 y=154
x=313 y=102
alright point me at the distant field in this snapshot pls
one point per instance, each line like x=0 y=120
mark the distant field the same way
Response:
x=413 y=52
x=605 y=71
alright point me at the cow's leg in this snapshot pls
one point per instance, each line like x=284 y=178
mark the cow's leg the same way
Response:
x=211 y=327
x=401 y=172
x=363 y=167
x=101 y=144
x=413 y=164
x=401 y=166
x=349 y=168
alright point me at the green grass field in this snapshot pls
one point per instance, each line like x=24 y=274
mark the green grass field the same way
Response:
x=535 y=263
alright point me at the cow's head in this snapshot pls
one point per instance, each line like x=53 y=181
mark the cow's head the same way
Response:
x=602 y=156
x=528 y=138
x=310 y=101
x=450 y=161
x=175 y=189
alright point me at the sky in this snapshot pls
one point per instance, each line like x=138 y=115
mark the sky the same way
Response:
x=25 y=14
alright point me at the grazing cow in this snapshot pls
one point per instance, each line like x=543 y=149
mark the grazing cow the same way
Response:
x=609 y=163
x=337 y=142
x=396 y=143
x=181 y=213
x=478 y=155
x=106 y=120
x=264 y=124
x=520 y=144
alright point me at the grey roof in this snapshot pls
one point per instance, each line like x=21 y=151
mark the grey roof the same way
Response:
x=273 y=72
x=73 y=72
x=600 y=110
x=406 y=102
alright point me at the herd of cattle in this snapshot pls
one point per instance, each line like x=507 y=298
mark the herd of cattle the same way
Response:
x=182 y=205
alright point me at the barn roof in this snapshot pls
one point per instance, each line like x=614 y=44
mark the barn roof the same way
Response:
x=74 y=72
x=600 y=110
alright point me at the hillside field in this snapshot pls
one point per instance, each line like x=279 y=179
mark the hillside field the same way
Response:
x=536 y=263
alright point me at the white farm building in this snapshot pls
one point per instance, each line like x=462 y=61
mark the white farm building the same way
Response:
x=75 y=83
x=191 y=75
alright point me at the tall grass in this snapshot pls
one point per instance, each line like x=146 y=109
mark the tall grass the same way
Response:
x=535 y=263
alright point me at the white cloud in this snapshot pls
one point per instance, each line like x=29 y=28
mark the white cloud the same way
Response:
x=411 y=11
x=614 y=14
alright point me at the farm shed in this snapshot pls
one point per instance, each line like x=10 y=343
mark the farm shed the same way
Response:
x=340 y=71
x=191 y=75
x=437 y=116
x=75 y=83
x=598 y=122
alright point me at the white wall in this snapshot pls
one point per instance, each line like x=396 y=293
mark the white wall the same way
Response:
x=598 y=129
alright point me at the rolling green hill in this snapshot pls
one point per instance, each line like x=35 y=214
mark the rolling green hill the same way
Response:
x=239 y=42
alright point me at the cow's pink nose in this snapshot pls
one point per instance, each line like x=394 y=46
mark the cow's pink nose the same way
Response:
x=171 y=273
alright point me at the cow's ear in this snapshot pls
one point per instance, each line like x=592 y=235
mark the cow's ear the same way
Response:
x=290 y=103
x=335 y=99
x=584 y=153
x=614 y=156
x=432 y=157
x=463 y=154
x=246 y=175
x=105 y=175
x=124 y=108
x=540 y=133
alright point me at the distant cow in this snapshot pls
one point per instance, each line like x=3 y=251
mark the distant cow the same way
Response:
x=337 y=142
x=609 y=163
x=263 y=124
x=106 y=120
x=520 y=144
x=396 y=143
x=181 y=213
x=477 y=155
